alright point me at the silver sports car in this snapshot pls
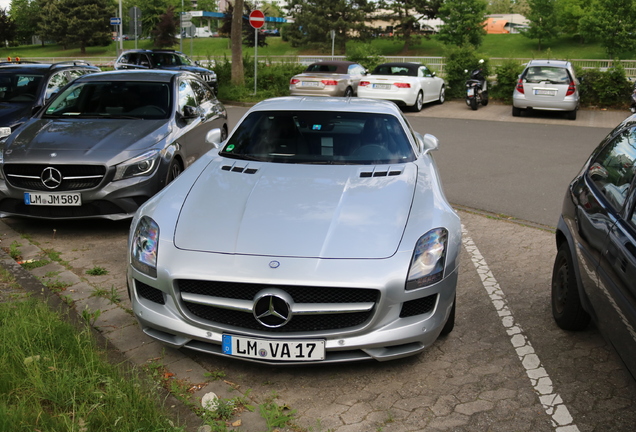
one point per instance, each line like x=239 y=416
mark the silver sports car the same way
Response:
x=318 y=232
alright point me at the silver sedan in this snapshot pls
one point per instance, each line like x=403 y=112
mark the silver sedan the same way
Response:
x=330 y=78
x=318 y=233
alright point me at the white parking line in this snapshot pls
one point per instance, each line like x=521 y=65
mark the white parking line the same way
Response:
x=539 y=378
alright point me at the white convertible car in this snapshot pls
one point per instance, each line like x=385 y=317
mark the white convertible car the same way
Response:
x=317 y=233
x=407 y=84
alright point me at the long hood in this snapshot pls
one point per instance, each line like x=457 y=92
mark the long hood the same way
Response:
x=290 y=210
x=12 y=113
x=101 y=140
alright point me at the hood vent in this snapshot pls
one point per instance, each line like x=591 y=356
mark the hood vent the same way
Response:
x=238 y=169
x=381 y=173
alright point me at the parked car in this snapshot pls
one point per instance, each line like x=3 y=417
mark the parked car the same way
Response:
x=107 y=143
x=594 y=274
x=328 y=78
x=318 y=233
x=407 y=84
x=26 y=86
x=549 y=85
x=165 y=59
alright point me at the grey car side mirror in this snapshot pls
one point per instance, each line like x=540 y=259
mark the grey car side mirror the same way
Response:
x=213 y=137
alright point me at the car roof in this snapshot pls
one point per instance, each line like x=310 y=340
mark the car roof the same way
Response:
x=313 y=103
x=558 y=63
x=162 y=51
x=154 y=75
x=334 y=63
x=43 y=67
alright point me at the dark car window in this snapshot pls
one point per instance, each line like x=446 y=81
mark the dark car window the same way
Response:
x=19 y=87
x=395 y=70
x=320 y=137
x=613 y=168
x=202 y=91
x=145 y=100
x=326 y=68
x=186 y=95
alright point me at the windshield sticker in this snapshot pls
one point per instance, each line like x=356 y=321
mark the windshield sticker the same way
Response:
x=229 y=148
x=316 y=127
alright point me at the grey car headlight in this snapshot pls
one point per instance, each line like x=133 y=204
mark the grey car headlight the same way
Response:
x=144 y=246
x=429 y=257
x=140 y=165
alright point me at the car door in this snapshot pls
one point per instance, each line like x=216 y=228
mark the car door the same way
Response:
x=191 y=118
x=211 y=115
x=617 y=280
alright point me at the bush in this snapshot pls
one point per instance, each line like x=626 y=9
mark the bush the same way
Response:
x=365 y=54
x=604 y=89
x=458 y=60
x=507 y=77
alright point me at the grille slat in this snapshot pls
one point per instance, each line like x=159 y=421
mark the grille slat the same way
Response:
x=300 y=294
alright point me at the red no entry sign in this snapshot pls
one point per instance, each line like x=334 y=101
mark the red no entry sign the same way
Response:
x=257 y=19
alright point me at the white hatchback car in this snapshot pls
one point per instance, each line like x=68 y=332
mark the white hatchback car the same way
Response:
x=547 y=85
x=318 y=233
x=406 y=84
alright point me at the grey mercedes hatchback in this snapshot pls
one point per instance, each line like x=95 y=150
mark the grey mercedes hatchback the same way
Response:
x=107 y=143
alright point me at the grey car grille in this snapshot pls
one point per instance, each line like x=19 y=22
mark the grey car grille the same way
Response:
x=215 y=302
x=73 y=177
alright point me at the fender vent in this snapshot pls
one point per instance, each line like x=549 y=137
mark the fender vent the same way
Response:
x=244 y=170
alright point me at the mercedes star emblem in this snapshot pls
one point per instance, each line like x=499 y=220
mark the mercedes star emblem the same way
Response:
x=272 y=308
x=51 y=177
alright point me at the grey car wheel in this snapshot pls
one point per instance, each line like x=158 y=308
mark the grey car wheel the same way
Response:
x=174 y=170
x=567 y=309
x=419 y=102
x=442 y=95
x=516 y=112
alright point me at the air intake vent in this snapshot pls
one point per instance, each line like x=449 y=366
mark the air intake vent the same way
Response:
x=237 y=169
x=383 y=173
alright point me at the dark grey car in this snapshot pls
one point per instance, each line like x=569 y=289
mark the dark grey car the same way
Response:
x=108 y=142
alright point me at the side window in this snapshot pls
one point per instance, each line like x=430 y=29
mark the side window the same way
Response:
x=186 y=95
x=56 y=82
x=203 y=92
x=613 y=169
x=76 y=73
x=425 y=72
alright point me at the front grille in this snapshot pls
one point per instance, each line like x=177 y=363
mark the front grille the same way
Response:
x=74 y=177
x=299 y=294
x=418 y=306
x=149 y=293
x=94 y=208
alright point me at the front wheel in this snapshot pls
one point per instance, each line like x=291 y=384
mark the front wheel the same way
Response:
x=567 y=308
x=473 y=103
x=174 y=170
x=419 y=102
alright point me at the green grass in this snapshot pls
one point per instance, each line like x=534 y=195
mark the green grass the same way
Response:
x=505 y=46
x=54 y=378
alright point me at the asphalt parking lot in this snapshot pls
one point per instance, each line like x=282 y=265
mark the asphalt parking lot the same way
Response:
x=505 y=367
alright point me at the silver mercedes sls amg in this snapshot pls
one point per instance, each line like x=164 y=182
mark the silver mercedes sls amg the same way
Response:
x=318 y=232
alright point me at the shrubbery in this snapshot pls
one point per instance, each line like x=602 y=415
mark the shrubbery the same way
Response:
x=507 y=77
x=458 y=61
x=604 y=89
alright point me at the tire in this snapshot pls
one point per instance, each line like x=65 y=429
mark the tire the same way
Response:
x=567 y=308
x=223 y=133
x=484 y=98
x=473 y=103
x=442 y=95
x=571 y=115
x=348 y=92
x=419 y=102
x=516 y=112
x=174 y=170
x=450 y=322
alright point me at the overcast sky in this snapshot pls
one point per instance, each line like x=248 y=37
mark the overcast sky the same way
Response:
x=4 y=4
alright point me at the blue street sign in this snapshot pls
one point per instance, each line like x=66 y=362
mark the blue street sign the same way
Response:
x=115 y=21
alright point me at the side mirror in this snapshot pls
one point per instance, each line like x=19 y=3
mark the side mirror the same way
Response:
x=189 y=112
x=213 y=137
x=196 y=63
x=427 y=142
x=433 y=74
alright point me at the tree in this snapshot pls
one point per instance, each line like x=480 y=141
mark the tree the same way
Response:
x=463 y=22
x=406 y=14
x=238 y=77
x=151 y=11
x=314 y=19
x=613 y=23
x=164 y=34
x=7 y=27
x=499 y=7
x=569 y=14
x=26 y=14
x=543 y=21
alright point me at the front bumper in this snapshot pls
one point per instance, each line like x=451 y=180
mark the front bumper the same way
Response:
x=387 y=334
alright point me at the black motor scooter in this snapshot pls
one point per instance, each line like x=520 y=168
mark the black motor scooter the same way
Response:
x=632 y=106
x=476 y=88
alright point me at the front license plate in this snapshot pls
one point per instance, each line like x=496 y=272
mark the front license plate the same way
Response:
x=382 y=86
x=311 y=84
x=265 y=349
x=545 y=92
x=52 y=199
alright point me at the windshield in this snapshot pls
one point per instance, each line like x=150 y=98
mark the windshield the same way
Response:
x=145 y=100
x=19 y=87
x=320 y=137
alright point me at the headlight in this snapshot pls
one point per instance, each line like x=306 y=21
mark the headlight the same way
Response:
x=141 y=165
x=429 y=256
x=144 y=247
